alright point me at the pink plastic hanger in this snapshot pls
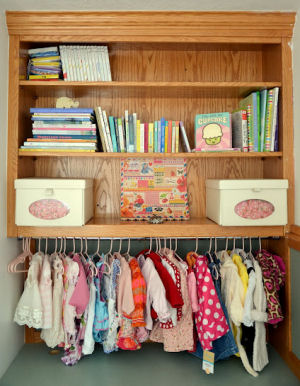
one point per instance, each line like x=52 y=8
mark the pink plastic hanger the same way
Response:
x=12 y=266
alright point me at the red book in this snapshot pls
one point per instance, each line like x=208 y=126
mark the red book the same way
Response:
x=169 y=137
x=146 y=137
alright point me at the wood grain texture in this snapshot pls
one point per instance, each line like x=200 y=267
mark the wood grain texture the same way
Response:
x=13 y=133
x=115 y=228
x=151 y=25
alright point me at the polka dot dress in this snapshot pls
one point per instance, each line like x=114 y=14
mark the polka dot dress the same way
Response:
x=210 y=320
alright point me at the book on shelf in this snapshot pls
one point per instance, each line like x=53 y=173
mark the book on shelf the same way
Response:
x=163 y=133
x=240 y=130
x=274 y=135
x=231 y=149
x=213 y=131
x=268 y=124
x=61 y=150
x=131 y=141
x=113 y=133
x=146 y=137
x=87 y=63
x=185 y=141
x=44 y=64
x=252 y=105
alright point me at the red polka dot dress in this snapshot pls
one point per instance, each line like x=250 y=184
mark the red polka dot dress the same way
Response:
x=210 y=320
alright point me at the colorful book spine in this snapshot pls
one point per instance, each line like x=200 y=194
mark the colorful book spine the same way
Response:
x=250 y=128
x=166 y=136
x=163 y=133
x=263 y=105
x=255 y=121
x=146 y=137
x=274 y=117
x=240 y=130
x=142 y=138
x=101 y=128
x=130 y=148
x=138 y=136
x=258 y=113
x=151 y=137
x=65 y=132
x=169 y=137
x=126 y=130
x=60 y=110
x=113 y=133
x=268 y=125
x=42 y=136
x=159 y=136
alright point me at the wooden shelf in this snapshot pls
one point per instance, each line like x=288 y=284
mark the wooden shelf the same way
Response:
x=151 y=155
x=196 y=227
x=196 y=89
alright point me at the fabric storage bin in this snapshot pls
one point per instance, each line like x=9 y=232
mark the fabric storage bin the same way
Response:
x=53 y=202
x=247 y=202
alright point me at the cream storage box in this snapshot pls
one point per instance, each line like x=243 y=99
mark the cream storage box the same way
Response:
x=53 y=202
x=247 y=202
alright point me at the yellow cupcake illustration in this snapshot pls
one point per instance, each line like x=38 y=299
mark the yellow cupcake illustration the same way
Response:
x=212 y=134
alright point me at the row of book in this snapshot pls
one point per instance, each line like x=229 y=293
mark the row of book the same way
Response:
x=62 y=130
x=44 y=63
x=72 y=63
x=129 y=134
x=85 y=63
x=255 y=125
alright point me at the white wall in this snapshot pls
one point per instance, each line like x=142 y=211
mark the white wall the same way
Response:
x=11 y=336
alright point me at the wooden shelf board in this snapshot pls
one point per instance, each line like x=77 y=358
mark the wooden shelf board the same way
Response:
x=196 y=227
x=214 y=89
x=150 y=155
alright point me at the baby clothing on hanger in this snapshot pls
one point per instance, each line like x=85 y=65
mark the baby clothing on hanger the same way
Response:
x=45 y=288
x=81 y=294
x=29 y=310
x=101 y=324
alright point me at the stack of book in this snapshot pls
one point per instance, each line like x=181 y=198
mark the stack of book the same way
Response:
x=85 y=63
x=129 y=134
x=62 y=130
x=255 y=124
x=44 y=63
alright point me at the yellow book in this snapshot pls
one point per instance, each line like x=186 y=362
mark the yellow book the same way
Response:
x=44 y=76
x=45 y=59
x=150 y=143
x=166 y=137
x=64 y=150
x=138 y=136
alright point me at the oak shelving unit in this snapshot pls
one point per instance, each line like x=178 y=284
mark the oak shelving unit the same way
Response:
x=172 y=64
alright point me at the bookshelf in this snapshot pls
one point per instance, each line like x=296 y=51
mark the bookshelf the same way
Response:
x=172 y=64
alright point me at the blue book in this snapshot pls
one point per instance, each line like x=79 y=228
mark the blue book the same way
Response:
x=163 y=124
x=155 y=138
x=263 y=108
x=54 y=110
x=60 y=119
x=130 y=148
x=94 y=137
x=113 y=133
x=158 y=136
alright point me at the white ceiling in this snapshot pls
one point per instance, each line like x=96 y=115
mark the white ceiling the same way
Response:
x=226 y=5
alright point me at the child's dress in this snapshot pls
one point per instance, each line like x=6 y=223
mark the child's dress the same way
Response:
x=45 y=288
x=55 y=335
x=29 y=310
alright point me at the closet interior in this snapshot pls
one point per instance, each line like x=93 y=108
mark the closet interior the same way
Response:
x=162 y=63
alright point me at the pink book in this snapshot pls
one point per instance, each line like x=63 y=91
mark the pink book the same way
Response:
x=169 y=137
x=65 y=128
x=146 y=137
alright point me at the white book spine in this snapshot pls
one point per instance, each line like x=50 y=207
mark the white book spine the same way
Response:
x=107 y=131
x=93 y=63
x=79 y=58
x=103 y=129
x=142 y=138
x=73 y=59
x=101 y=63
x=95 y=56
x=121 y=137
x=107 y=64
x=173 y=139
x=63 y=63
x=70 y=62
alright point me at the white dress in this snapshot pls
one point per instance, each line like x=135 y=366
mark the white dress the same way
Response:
x=89 y=342
x=45 y=287
x=55 y=335
x=29 y=310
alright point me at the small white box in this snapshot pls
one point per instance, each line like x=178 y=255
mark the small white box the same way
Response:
x=247 y=202
x=53 y=202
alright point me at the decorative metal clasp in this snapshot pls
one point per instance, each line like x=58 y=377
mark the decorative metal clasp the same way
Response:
x=155 y=219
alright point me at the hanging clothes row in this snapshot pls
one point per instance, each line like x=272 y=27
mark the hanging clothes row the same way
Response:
x=219 y=301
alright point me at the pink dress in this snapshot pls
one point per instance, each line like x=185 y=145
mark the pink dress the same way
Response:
x=180 y=337
x=210 y=320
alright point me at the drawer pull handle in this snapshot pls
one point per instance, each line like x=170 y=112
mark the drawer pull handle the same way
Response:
x=49 y=192
x=256 y=190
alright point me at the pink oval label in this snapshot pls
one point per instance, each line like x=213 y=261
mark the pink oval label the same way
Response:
x=48 y=209
x=254 y=209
